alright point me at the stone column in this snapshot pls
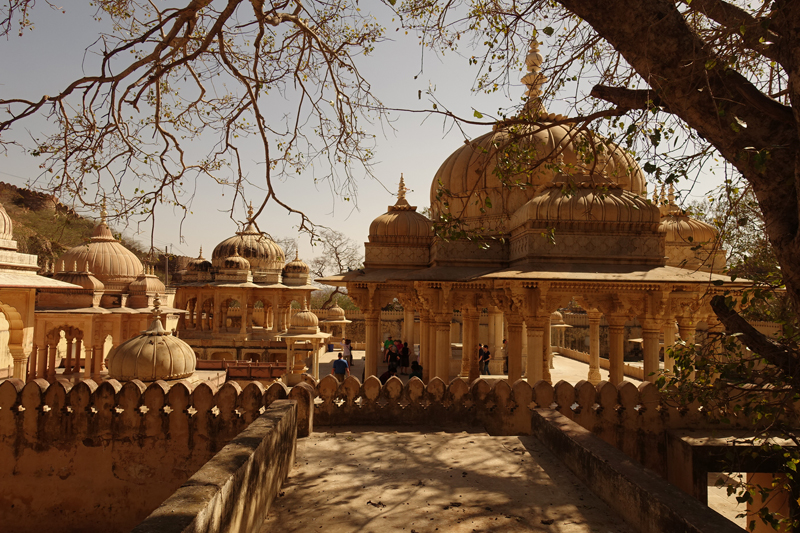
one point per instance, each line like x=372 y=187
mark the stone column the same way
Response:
x=514 y=348
x=594 y=346
x=52 y=352
x=372 y=320
x=651 y=330
x=78 y=350
x=616 y=356
x=443 y=348
x=469 y=344
x=32 y=363
x=669 y=340
x=41 y=372
x=97 y=362
x=68 y=354
x=247 y=312
x=535 y=334
x=408 y=328
x=547 y=362
x=424 y=346
x=20 y=363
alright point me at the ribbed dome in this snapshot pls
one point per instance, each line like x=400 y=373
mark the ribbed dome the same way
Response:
x=152 y=355
x=236 y=262
x=336 y=313
x=401 y=224
x=261 y=251
x=304 y=322
x=682 y=229
x=469 y=183
x=199 y=264
x=6 y=226
x=147 y=283
x=556 y=207
x=107 y=259
x=84 y=279
x=556 y=318
x=296 y=266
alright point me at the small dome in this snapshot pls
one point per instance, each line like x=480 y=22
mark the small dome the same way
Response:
x=556 y=318
x=682 y=229
x=598 y=206
x=236 y=262
x=200 y=264
x=6 y=226
x=107 y=259
x=147 y=283
x=336 y=313
x=296 y=266
x=304 y=322
x=84 y=279
x=401 y=224
x=154 y=354
x=261 y=251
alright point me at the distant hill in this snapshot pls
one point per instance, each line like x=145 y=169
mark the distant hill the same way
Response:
x=45 y=227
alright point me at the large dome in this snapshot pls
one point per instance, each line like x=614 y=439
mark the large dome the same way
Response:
x=105 y=257
x=261 y=251
x=154 y=354
x=530 y=157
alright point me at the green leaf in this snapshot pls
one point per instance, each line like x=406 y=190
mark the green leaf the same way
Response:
x=548 y=31
x=477 y=114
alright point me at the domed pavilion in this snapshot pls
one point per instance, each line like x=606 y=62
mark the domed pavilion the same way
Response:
x=19 y=282
x=238 y=304
x=554 y=213
x=106 y=298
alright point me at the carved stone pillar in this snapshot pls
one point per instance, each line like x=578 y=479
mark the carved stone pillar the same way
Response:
x=425 y=346
x=97 y=361
x=443 y=348
x=408 y=327
x=616 y=355
x=651 y=330
x=469 y=347
x=536 y=359
x=594 y=346
x=68 y=355
x=52 y=352
x=78 y=351
x=41 y=371
x=20 y=363
x=670 y=329
x=32 y=361
x=372 y=321
x=247 y=312
x=514 y=348
x=547 y=361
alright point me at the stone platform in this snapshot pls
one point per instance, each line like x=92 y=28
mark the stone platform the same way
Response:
x=379 y=479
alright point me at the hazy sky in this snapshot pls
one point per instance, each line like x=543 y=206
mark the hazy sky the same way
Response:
x=47 y=58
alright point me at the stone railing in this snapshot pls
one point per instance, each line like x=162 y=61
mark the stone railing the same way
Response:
x=632 y=371
x=633 y=419
x=61 y=438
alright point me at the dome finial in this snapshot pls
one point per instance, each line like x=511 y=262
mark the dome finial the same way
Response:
x=671 y=194
x=103 y=212
x=201 y=252
x=534 y=79
x=401 y=192
x=296 y=253
x=250 y=212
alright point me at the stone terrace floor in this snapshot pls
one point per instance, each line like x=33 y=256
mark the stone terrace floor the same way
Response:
x=378 y=479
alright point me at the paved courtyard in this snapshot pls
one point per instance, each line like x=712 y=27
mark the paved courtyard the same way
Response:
x=378 y=479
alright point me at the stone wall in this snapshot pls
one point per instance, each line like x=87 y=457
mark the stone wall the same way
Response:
x=108 y=455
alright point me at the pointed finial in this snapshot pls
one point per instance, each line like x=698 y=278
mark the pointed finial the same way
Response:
x=401 y=192
x=534 y=79
x=671 y=194
x=662 y=199
x=86 y=266
x=103 y=212
x=305 y=304
x=157 y=305
x=201 y=253
x=296 y=254
x=250 y=212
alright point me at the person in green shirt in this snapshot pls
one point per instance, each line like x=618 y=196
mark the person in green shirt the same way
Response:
x=386 y=344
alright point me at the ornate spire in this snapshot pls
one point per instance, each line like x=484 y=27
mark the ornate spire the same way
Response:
x=103 y=212
x=534 y=79
x=250 y=212
x=201 y=253
x=402 y=204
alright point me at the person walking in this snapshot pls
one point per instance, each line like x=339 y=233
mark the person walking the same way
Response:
x=404 y=356
x=340 y=368
x=347 y=351
x=485 y=357
x=388 y=343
